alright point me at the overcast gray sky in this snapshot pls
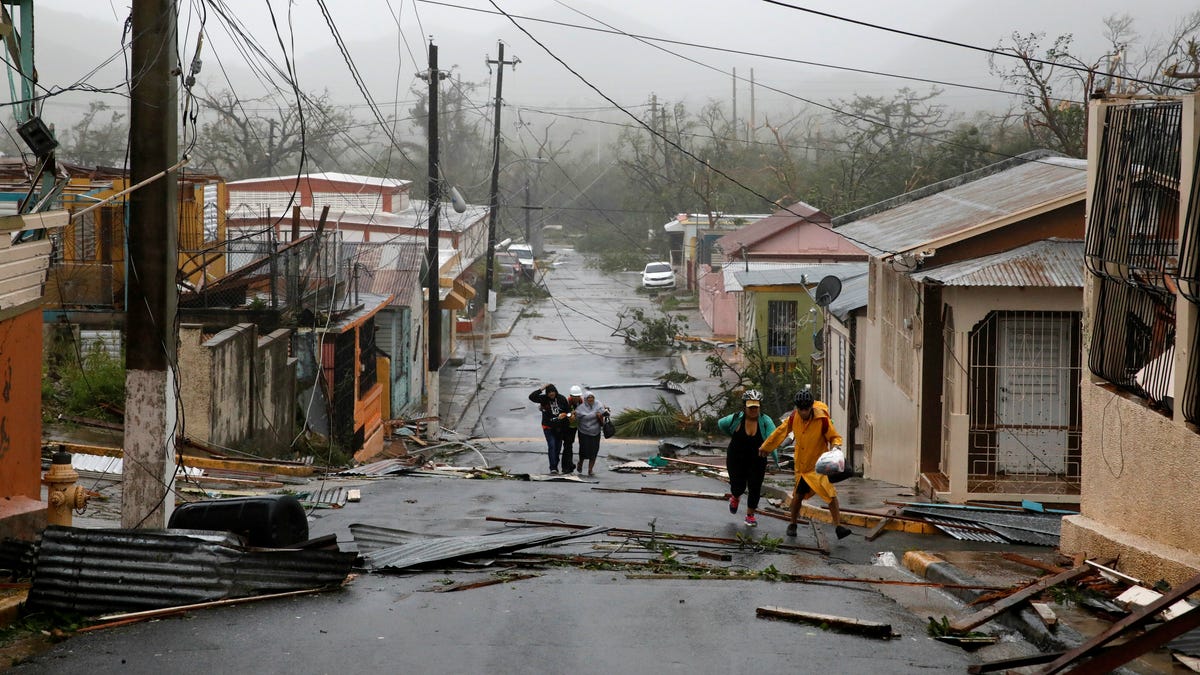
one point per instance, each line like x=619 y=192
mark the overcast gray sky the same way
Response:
x=386 y=39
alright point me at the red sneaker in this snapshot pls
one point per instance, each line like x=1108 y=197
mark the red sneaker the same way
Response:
x=751 y=521
x=733 y=504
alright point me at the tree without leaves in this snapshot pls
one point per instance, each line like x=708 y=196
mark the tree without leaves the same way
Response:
x=250 y=138
x=97 y=139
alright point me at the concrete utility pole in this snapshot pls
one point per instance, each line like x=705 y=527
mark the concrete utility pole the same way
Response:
x=434 y=321
x=489 y=301
x=147 y=498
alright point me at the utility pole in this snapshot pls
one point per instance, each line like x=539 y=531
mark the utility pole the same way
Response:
x=750 y=129
x=150 y=418
x=494 y=214
x=434 y=322
x=734 y=123
x=271 y=148
x=653 y=122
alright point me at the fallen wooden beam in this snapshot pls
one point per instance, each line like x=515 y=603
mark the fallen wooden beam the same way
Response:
x=971 y=621
x=114 y=620
x=839 y=623
x=713 y=555
x=1138 y=618
x=486 y=582
x=1034 y=563
x=879 y=527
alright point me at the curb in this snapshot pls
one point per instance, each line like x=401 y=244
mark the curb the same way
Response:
x=821 y=514
x=932 y=567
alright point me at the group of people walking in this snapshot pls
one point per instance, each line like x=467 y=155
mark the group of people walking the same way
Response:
x=565 y=419
x=752 y=438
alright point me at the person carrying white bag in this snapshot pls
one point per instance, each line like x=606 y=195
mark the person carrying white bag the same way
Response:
x=815 y=436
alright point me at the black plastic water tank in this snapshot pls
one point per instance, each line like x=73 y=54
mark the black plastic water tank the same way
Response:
x=269 y=521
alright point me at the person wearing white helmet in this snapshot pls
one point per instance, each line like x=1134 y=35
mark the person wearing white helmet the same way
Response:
x=574 y=400
x=746 y=463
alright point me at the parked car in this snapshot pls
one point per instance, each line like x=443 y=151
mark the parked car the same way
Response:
x=658 y=275
x=507 y=268
x=524 y=253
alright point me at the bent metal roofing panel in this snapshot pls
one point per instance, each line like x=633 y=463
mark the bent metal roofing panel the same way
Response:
x=957 y=204
x=1052 y=263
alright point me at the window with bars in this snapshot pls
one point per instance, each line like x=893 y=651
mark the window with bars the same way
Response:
x=781 y=327
x=1133 y=248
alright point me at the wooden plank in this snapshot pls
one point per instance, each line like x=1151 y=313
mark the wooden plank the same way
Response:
x=31 y=249
x=879 y=527
x=1045 y=613
x=20 y=284
x=981 y=617
x=43 y=220
x=1031 y=562
x=1138 y=618
x=838 y=623
x=713 y=555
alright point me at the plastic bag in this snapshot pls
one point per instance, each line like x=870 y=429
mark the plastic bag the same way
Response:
x=832 y=462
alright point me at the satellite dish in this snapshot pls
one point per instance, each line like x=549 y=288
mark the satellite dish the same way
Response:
x=828 y=290
x=819 y=340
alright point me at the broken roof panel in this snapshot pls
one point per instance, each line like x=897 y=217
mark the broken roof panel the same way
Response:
x=854 y=295
x=788 y=274
x=445 y=549
x=1022 y=184
x=1053 y=263
x=114 y=570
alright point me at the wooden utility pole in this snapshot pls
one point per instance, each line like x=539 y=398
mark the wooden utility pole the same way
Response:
x=433 y=271
x=750 y=128
x=147 y=497
x=733 y=123
x=489 y=302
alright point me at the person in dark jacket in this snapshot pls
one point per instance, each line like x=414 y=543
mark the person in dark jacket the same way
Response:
x=555 y=420
x=745 y=459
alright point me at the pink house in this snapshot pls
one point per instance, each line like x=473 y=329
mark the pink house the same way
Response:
x=798 y=234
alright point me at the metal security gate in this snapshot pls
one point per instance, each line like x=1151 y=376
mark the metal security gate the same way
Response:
x=1024 y=403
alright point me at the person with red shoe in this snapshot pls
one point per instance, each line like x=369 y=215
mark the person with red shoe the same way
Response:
x=746 y=463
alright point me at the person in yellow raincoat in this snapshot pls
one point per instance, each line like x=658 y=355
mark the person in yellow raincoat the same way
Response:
x=814 y=434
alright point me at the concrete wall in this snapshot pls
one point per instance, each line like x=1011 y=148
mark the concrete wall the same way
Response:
x=274 y=392
x=1139 y=489
x=237 y=390
x=231 y=371
x=718 y=307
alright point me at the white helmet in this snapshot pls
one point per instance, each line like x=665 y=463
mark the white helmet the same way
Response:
x=576 y=390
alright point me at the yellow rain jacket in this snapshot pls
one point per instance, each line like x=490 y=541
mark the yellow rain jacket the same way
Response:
x=812 y=439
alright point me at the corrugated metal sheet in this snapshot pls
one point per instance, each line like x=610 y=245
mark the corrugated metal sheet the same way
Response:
x=430 y=551
x=99 y=571
x=373 y=537
x=1042 y=523
x=1188 y=643
x=855 y=292
x=948 y=526
x=384 y=467
x=791 y=274
x=1053 y=263
x=942 y=209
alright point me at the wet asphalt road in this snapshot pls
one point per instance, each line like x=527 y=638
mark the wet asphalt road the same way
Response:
x=567 y=619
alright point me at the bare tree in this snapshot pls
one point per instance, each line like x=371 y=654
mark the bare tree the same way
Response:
x=99 y=138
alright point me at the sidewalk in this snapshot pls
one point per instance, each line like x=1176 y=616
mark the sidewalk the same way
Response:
x=467 y=373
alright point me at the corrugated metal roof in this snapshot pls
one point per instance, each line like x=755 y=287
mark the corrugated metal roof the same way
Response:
x=1009 y=188
x=737 y=278
x=1188 y=643
x=948 y=526
x=430 y=551
x=384 y=467
x=1053 y=263
x=374 y=537
x=109 y=570
x=854 y=295
x=1043 y=523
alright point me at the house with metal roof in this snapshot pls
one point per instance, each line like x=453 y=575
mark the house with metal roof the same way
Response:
x=970 y=357
x=844 y=323
x=793 y=237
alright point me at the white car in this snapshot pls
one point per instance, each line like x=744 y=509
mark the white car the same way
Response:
x=524 y=253
x=658 y=275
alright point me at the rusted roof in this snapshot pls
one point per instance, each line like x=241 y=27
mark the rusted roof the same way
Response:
x=1006 y=189
x=1053 y=263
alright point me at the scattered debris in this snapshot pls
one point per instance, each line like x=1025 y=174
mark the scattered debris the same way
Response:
x=428 y=551
x=354 y=495
x=502 y=579
x=713 y=555
x=114 y=620
x=95 y=571
x=828 y=621
x=981 y=617
x=1045 y=613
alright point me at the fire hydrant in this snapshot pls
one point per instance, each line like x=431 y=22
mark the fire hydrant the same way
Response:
x=64 y=495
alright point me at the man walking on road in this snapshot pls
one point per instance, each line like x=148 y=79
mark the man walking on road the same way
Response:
x=555 y=414
x=746 y=462
x=814 y=434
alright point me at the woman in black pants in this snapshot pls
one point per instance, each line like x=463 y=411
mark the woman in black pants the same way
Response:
x=746 y=463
